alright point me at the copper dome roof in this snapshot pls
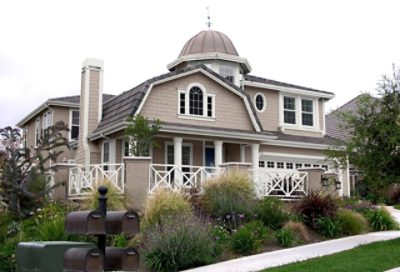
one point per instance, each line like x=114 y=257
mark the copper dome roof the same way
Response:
x=207 y=42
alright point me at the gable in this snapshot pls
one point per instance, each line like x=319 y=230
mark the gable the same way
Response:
x=230 y=109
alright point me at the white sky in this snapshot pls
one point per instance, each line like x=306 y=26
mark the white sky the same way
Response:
x=338 y=46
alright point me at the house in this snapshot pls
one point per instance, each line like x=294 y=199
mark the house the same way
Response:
x=215 y=116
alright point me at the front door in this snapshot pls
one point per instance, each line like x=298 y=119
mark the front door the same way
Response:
x=209 y=156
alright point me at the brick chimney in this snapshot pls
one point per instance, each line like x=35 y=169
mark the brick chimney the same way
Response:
x=90 y=110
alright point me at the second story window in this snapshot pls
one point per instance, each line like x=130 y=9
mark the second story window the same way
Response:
x=37 y=131
x=74 y=129
x=289 y=110
x=46 y=120
x=196 y=101
x=307 y=110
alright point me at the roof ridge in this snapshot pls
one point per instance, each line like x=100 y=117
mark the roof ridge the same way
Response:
x=345 y=104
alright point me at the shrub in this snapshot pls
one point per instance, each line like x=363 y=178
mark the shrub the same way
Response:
x=393 y=194
x=329 y=227
x=299 y=230
x=228 y=194
x=316 y=205
x=181 y=242
x=286 y=237
x=380 y=219
x=249 y=238
x=271 y=211
x=352 y=222
x=115 y=201
x=164 y=204
x=52 y=230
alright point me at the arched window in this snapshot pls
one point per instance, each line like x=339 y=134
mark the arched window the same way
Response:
x=196 y=101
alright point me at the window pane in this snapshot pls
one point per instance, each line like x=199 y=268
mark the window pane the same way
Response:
x=209 y=106
x=289 y=103
x=307 y=119
x=106 y=152
x=261 y=164
x=306 y=105
x=182 y=103
x=289 y=165
x=186 y=155
x=196 y=101
x=259 y=102
x=271 y=164
x=126 y=148
x=299 y=165
x=289 y=117
x=227 y=73
x=280 y=165
x=75 y=118
x=74 y=132
x=170 y=154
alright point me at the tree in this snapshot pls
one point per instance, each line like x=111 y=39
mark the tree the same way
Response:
x=373 y=145
x=141 y=134
x=23 y=184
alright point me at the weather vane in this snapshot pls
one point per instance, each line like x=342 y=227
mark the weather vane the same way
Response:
x=208 y=18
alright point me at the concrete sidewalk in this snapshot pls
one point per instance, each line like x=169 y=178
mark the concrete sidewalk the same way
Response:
x=394 y=212
x=285 y=256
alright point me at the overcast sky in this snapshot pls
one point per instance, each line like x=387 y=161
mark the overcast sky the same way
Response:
x=339 y=46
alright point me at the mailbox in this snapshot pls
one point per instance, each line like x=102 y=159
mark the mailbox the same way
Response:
x=121 y=259
x=85 y=222
x=122 y=222
x=83 y=259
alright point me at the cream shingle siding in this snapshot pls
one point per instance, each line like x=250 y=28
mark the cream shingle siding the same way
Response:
x=230 y=109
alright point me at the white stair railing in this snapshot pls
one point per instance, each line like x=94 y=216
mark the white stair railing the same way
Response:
x=84 y=178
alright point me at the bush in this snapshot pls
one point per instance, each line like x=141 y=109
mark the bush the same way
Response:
x=393 y=194
x=115 y=201
x=52 y=230
x=181 y=242
x=221 y=238
x=329 y=227
x=228 y=194
x=286 y=237
x=316 y=205
x=164 y=204
x=249 y=238
x=299 y=230
x=380 y=220
x=352 y=222
x=271 y=211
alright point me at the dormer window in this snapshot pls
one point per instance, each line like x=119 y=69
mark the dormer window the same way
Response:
x=227 y=73
x=307 y=115
x=299 y=112
x=195 y=102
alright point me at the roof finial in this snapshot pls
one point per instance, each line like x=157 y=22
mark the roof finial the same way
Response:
x=208 y=18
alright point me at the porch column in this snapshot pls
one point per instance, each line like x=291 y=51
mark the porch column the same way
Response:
x=218 y=153
x=178 y=158
x=242 y=153
x=255 y=157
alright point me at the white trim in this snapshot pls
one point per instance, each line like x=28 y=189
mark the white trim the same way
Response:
x=291 y=90
x=196 y=117
x=287 y=155
x=37 y=133
x=264 y=102
x=100 y=109
x=249 y=111
x=323 y=118
x=297 y=144
x=213 y=55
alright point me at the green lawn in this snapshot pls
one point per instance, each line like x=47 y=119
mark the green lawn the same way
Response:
x=378 y=256
x=397 y=206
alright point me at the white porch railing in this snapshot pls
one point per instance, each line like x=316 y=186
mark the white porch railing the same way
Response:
x=84 y=178
x=281 y=183
x=177 y=178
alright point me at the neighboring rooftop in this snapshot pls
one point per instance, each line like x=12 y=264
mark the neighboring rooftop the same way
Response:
x=333 y=123
x=76 y=98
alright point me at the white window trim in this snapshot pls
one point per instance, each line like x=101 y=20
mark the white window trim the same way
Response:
x=265 y=102
x=298 y=110
x=183 y=144
x=186 y=115
x=70 y=124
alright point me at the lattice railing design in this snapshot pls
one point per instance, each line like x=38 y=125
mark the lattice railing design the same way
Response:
x=180 y=177
x=83 y=178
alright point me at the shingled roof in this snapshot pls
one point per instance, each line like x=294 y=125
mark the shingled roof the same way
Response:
x=334 y=126
x=118 y=109
x=281 y=84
